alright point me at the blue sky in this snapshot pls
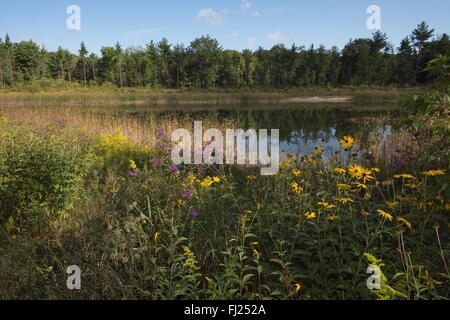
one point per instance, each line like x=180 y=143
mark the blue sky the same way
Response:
x=237 y=24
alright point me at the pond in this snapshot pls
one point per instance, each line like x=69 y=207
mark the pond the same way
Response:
x=302 y=126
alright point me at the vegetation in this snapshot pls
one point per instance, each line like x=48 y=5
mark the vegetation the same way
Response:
x=140 y=227
x=205 y=64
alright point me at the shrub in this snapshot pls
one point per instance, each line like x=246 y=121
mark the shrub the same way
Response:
x=39 y=175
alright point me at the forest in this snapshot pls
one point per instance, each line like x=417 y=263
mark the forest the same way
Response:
x=205 y=64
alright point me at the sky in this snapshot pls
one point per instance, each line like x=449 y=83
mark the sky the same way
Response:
x=237 y=24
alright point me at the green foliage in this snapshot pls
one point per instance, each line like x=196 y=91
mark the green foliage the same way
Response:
x=39 y=176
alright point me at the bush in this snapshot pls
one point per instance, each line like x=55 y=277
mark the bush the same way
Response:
x=39 y=175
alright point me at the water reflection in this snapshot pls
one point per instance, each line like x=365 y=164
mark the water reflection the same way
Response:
x=302 y=127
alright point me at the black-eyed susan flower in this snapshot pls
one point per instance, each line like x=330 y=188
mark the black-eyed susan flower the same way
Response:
x=310 y=215
x=347 y=142
x=318 y=150
x=385 y=214
x=297 y=287
x=339 y=170
x=296 y=188
x=333 y=217
x=296 y=172
x=404 y=176
x=433 y=173
x=344 y=200
x=404 y=221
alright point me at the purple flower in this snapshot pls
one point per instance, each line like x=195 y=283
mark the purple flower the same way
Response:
x=194 y=212
x=174 y=169
x=186 y=195
x=134 y=174
x=160 y=132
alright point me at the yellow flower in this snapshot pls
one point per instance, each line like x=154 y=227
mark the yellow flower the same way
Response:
x=248 y=211
x=361 y=185
x=365 y=213
x=412 y=185
x=355 y=170
x=251 y=177
x=318 y=150
x=132 y=165
x=343 y=186
x=404 y=176
x=296 y=188
x=367 y=196
x=332 y=218
x=216 y=179
x=405 y=222
x=310 y=215
x=284 y=164
x=347 y=142
x=256 y=253
x=156 y=236
x=433 y=173
x=297 y=287
x=385 y=214
x=296 y=172
x=387 y=182
x=339 y=170
x=392 y=204
x=344 y=200
x=253 y=243
x=326 y=205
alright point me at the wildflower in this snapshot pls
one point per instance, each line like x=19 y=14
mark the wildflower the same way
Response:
x=207 y=182
x=284 y=164
x=296 y=188
x=310 y=215
x=318 y=150
x=259 y=206
x=332 y=218
x=156 y=236
x=387 y=183
x=134 y=173
x=194 y=212
x=255 y=243
x=216 y=179
x=297 y=287
x=392 y=204
x=433 y=173
x=190 y=263
x=343 y=186
x=367 y=196
x=385 y=214
x=312 y=160
x=347 y=142
x=296 y=172
x=365 y=213
x=365 y=175
x=256 y=253
x=339 y=170
x=354 y=170
x=344 y=200
x=326 y=205
x=133 y=165
x=248 y=211
x=407 y=223
x=412 y=185
x=174 y=169
x=186 y=195
x=250 y=177
x=361 y=185
x=404 y=176
x=430 y=281
x=320 y=172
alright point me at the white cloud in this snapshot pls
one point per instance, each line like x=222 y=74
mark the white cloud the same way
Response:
x=276 y=36
x=225 y=11
x=246 y=4
x=234 y=35
x=251 y=41
x=209 y=16
x=256 y=13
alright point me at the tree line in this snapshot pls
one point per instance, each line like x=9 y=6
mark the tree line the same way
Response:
x=205 y=64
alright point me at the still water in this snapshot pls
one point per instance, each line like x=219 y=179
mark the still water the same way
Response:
x=302 y=126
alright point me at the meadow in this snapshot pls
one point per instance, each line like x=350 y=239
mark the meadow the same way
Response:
x=90 y=187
